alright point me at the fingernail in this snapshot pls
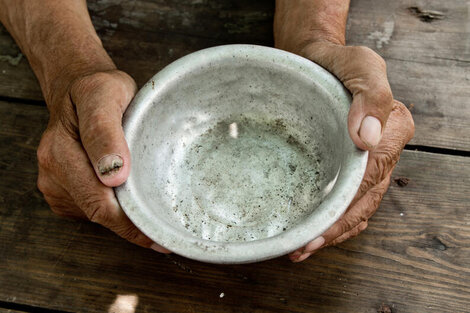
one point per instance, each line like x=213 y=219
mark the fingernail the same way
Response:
x=315 y=244
x=371 y=131
x=159 y=248
x=294 y=256
x=110 y=164
x=302 y=257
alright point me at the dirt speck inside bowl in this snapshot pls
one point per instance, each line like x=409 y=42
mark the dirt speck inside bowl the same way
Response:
x=250 y=178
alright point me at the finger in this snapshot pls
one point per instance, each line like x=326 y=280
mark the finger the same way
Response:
x=360 y=212
x=382 y=160
x=364 y=73
x=357 y=214
x=350 y=234
x=59 y=200
x=101 y=100
x=96 y=200
x=299 y=254
x=313 y=247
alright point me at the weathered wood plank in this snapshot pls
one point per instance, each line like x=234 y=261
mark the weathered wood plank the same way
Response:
x=414 y=257
x=428 y=62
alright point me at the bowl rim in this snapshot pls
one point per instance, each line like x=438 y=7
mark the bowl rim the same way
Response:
x=187 y=245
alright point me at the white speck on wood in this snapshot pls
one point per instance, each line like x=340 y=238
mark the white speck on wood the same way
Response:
x=222 y=295
x=12 y=60
x=382 y=38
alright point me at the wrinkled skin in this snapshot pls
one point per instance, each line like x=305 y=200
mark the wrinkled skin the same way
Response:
x=376 y=122
x=85 y=121
x=363 y=72
x=382 y=160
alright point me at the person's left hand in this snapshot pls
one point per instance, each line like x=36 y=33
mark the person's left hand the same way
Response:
x=382 y=160
x=376 y=123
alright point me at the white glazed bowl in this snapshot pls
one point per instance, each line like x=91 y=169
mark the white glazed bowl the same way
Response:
x=240 y=153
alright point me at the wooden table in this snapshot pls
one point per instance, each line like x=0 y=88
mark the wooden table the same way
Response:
x=414 y=257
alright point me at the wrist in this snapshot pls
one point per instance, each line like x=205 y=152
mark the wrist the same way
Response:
x=56 y=74
x=58 y=39
x=58 y=61
x=298 y=24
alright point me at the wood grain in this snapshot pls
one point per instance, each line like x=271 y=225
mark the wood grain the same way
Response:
x=414 y=257
x=428 y=62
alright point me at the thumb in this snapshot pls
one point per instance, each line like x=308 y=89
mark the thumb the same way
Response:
x=372 y=98
x=363 y=72
x=100 y=100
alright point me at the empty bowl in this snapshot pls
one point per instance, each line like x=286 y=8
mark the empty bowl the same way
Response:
x=240 y=153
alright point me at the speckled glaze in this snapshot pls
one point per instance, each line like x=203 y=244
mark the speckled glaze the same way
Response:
x=240 y=154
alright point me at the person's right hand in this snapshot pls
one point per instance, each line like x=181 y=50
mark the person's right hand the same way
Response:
x=83 y=152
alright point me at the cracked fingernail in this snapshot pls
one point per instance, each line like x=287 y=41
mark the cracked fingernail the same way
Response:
x=371 y=131
x=110 y=164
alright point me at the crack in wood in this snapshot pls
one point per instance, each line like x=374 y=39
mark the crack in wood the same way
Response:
x=426 y=16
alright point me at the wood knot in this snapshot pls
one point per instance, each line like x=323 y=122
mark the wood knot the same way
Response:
x=426 y=16
x=438 y=244
x=384 y=309
x=401 y=181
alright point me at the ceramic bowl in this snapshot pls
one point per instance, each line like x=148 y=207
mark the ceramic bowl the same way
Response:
x=240 y=153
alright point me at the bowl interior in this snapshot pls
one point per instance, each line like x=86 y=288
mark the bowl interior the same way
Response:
x=235 y=145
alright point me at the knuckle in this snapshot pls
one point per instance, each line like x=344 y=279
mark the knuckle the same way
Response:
x=382 y=95
x=44 y=153
x=367 y=53
x=90 y=83
x=340 y=239
x=95 y=124
x=363 y=51
x=56 y=206
x=406 y=119
x=362 y=226
x=373 y=68
x=345 y=225
x=115 y=83
x=97 y=211
x=383 y=163
x=375 y=197
x=357 y=230
x=379 y=167
x=132 y=234
x=43 y=186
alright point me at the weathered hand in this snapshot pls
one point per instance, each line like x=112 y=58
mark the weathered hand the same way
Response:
x=364 y=73
x=83 y=152
x=398 y=131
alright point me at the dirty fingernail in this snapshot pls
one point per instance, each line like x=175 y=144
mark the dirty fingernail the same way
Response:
x=159 y=248
x=315 y=244
x=371 y=131
x=110 y=164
